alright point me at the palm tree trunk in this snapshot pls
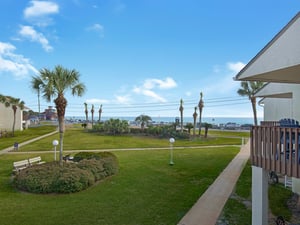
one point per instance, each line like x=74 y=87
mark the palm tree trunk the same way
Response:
x=181 y=121
x=14 y=122
x=200 y=121
x=253 y=102
x=61 y=123
x=194 y=128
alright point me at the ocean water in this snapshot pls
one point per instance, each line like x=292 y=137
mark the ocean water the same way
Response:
x=211 y=120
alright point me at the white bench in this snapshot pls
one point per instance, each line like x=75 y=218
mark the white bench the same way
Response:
x=19 y=165
x=35 y=160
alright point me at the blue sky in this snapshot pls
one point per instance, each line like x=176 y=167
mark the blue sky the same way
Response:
x=139 y=56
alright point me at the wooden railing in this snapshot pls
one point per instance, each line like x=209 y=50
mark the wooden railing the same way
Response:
x=276 y=149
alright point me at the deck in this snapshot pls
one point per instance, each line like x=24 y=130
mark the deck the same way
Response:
x=276 y=148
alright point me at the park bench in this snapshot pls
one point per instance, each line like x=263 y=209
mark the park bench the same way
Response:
x=35 y=160
x=19 y=165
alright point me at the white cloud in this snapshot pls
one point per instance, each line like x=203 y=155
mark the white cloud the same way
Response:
x=17 y=65
x=161 y=84
x=40 y=9
x=38 y=13
x=188 y=93
x=235 y=67
x=31 y=34
x=96 y=101
x=124 y=99
x=98 y=28
x=149 y=85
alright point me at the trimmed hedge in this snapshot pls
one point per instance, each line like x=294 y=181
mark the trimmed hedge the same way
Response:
x=71 y=177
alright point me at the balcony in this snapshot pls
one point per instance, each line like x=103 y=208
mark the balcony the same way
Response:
x=276 y=148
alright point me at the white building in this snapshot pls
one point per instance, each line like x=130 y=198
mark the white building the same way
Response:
x=7 y=118
x=278 y=63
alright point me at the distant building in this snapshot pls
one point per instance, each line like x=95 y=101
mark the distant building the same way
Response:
x=49 y=114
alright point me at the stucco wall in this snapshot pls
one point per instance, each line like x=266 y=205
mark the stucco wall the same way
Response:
x=6 y=118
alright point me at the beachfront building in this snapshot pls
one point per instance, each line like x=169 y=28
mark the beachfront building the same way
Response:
x=49 y=114
x=6 y=119
x=275 y=147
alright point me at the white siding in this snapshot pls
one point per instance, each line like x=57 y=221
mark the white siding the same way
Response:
x=278 y=108
x=6 y=118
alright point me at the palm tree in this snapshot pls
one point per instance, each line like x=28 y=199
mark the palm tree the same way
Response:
x=92 y=112
x=195 y=119
x=86 y=112
x=54 y=83
x=15 y=103
x=189 y=126
x=249 y=88
x=206 y=126
x=143 y=119
x=200 y=105
x=100 y=112
x=37 y=87
x=181 y=115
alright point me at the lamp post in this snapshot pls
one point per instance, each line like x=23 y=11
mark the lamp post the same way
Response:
x=55 y=143
x=171 y=140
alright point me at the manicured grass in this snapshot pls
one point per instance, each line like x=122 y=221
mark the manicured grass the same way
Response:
x=25 y=135
x=278 y=197
x=146 y=191
x=80 y=139
x=229 y=133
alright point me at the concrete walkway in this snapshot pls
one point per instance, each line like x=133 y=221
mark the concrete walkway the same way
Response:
x=6 y=150
x=209 y=206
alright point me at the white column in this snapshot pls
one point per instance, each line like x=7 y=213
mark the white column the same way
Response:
x=259 y=196
x=296 y=185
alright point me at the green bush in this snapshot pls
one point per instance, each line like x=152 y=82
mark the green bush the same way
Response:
x=95 y=166
x=93 y=155
x=69 y=178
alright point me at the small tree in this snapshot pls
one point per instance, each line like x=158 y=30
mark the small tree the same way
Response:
x=200 y=105
x=100 y=112
x=86 y=112
x=92 y=112
x=189 y=126
x=206 y=126
x=195 y=119
x=249 y=88
x=181 y=115
x=143 y=120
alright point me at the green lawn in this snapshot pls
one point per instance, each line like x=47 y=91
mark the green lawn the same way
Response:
x=80 y=139
x=146 y=191
x=25 y=135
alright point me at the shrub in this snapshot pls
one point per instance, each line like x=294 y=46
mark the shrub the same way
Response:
x=93 y=155
x=69 y=178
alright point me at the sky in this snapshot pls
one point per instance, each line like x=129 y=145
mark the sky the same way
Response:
x=139 y=56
